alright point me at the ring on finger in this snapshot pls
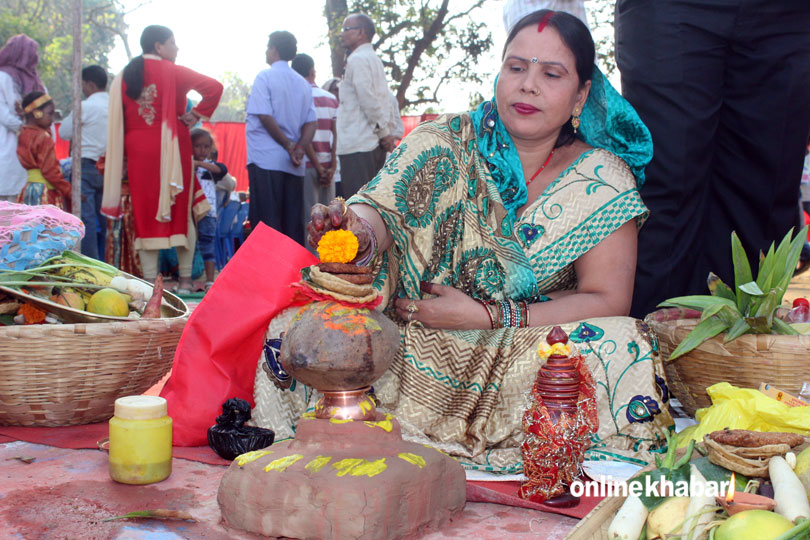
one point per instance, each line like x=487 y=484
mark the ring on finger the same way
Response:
x=412 y=307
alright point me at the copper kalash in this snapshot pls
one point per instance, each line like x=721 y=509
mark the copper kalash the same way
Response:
x=347 y=473
x=558 y=424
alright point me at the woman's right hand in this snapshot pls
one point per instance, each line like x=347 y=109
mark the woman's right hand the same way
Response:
x=338 y=215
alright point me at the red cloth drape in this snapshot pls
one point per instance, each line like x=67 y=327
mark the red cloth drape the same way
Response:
x=216 y=357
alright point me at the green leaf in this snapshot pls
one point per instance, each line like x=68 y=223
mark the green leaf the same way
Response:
x=752 y=288
x=781 y=327
x=759 y=325
x=700 y=333
x=768 y=305
x=698 y=302
x=737 y=329
x=790 y=261
x=742 y=271
x=717 y=474
x=718 y=288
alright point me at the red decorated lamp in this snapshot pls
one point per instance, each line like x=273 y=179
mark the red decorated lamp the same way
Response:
x=558 y=424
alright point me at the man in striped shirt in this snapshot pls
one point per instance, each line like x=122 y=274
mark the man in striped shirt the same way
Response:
x=321 y=160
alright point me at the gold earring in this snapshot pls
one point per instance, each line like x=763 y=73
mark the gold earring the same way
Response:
x=575 y=120
x=38 y=114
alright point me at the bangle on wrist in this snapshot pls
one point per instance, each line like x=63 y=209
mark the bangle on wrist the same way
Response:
x=369 y=258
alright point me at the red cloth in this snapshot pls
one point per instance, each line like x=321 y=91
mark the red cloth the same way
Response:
x=217 y=354
x=88 y=436
x=165 y=85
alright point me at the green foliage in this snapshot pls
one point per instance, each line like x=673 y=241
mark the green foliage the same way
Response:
x=751 y=307
x=49 y=22
x=422 y=45
x=231 y=107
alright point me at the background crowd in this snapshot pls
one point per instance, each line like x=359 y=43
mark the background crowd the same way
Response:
x=725 y=109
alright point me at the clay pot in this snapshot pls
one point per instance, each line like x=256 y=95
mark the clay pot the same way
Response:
x=331 y=347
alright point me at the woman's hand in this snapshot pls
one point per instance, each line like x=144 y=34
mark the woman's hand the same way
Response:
x=189 y=119
x=338 y=215
x=451 y=309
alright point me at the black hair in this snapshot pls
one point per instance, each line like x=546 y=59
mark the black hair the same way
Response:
x=196 y=133
x=133 y=73
x=285 y=44
x=96 y=75
x=579 y=41
x=365 y=23
x=30 y=97
x=303 y=64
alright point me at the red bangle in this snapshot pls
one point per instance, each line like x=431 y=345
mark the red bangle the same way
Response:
x=489 y=313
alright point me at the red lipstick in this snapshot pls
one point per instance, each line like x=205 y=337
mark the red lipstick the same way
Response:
x=525 y=108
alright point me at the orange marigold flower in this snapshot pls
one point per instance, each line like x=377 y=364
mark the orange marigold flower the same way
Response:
x=338 y=246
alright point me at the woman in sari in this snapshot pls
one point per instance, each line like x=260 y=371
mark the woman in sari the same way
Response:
x=485 y=229
x=149 y=125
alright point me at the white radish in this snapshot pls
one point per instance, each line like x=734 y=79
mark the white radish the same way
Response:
x=788 y=491
x=697 y=515
x=790 y=457
x=629 y=520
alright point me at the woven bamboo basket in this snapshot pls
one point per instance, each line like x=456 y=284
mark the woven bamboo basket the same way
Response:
x=751 y=359
x=60 y=375
x=595 y=525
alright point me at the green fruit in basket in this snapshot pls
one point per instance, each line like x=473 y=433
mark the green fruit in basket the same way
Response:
x=108 y=302
x=753 y=525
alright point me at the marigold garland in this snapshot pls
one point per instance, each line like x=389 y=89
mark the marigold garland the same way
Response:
x=32 y=314
x=338 y=246
x=544 y=350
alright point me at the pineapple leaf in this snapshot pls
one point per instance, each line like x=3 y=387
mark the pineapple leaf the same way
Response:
x=766 y=265
x=759 y=325
x=737 y=329
x=769 y=304
x=752 y=288
x=742 y=272
x=788 y=266
x=718 y=288
x=700 y=333
x=781 y=327
x=699 y=302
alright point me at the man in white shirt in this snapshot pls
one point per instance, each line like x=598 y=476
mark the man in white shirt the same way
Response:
x=94 y=145
x=363 y=114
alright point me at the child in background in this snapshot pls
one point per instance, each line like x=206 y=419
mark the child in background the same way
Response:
x=208 y=173
x=36 y=153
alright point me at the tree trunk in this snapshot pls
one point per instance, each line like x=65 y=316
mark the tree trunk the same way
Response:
x=76 y=147
x=336 y=11
x=419 y=47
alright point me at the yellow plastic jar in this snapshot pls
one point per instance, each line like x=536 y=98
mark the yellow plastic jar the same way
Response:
x=140 y=440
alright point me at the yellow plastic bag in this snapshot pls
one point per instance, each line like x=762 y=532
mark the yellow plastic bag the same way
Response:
x=745 y=408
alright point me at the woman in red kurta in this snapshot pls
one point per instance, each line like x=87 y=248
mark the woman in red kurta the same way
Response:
x=35 y=150
x=149 y=125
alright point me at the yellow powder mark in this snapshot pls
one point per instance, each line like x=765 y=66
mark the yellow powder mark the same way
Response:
x=369 y=468
x=247 y=457
x=340 y=420
x=366 y=406
x=413 y=459
x=334 y=412
x=281 y=464
x=439 y=451
x=383 y=424
x=317 y=464
x=345 y=465
x=308 y=416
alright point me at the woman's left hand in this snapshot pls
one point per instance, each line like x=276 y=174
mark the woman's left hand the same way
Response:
x=451 y=309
